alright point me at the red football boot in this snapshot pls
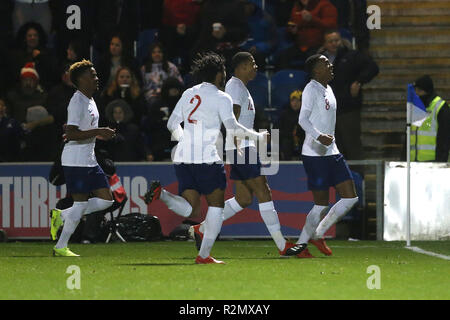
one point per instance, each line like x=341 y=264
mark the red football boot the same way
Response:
x=287 y=246
x=208 y=260
x=305 y=254
x=322 y=246
x=153 y=193
x=196 y=234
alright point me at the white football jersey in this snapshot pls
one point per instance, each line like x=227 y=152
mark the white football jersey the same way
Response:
x=81 y=112
x=322 y=104
x=241 y=96
x=203 y=108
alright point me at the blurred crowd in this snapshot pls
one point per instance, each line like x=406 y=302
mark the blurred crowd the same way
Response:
x=142 y=51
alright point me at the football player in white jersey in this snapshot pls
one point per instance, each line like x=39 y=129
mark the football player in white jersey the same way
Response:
x=243 y=156
x=324 y=165
x=82 y=173
x=198 y=167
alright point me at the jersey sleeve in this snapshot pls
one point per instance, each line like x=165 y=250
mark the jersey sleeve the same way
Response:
x=235 y=93
x=308 y=99
x=226 y=108
x=176 y=118
x=74 y=113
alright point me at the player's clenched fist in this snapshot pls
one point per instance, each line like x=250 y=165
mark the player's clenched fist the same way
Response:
x=106 y=133
x=325 y=139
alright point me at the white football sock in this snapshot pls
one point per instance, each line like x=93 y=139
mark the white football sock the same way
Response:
x=336 y=212
x=213 y=224
x=72 y=218
x=177 y=204
x=231 y=208
x=312 y=221
x=97 y=204
x=270 y=217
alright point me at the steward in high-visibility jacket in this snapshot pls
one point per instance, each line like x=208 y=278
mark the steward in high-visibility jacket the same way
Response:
x=431 y=141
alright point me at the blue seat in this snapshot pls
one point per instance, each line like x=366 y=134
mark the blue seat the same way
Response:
x=283 y=83
x=145 y=39
x=259 y=89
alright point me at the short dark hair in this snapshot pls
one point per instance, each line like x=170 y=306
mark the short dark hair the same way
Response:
x=207 y=66
x=311 y=62
x=77 y=69
x=330 y=31
x=240 y=58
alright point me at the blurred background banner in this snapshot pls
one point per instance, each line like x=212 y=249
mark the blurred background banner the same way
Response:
x=26 y=196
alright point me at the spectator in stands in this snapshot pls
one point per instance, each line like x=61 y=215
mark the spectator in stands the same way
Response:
x=431 y=141
x=31 y=47
x=58 y=101
x=28 y=94
x=309 y=19
x=154 y=127
x=126 y=87
x=291 y=134
x=262 y=38
x=155 y=70
x=180 y=28
x=41 y=142
x=26 y=105
x=30 y=10
x=118 y=55
x=352 y=69
x=223 y=27
x=10 y=136
x=128 y=144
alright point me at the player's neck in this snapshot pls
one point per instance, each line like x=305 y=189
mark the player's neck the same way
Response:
x=323 y=82
x=87 y=93
x=242 y=77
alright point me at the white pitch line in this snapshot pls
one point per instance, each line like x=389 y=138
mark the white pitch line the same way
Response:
x=430 y=253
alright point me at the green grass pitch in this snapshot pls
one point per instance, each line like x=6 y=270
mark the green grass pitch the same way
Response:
x=166 y=270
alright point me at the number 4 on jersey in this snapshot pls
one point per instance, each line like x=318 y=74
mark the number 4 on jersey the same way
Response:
x=192 y=112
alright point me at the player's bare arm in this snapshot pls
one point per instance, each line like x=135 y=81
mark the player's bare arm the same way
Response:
x=237 y=113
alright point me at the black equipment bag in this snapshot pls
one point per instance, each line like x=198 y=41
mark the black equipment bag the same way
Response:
x=139 y=227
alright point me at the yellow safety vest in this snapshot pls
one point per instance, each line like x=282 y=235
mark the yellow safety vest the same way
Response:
x=423 y=138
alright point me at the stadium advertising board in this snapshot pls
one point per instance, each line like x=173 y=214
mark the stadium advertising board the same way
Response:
x=26 y=197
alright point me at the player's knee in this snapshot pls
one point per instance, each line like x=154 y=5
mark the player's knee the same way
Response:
x=245 y=201
x=264 y=195
x=195 y=212
x=350 y=202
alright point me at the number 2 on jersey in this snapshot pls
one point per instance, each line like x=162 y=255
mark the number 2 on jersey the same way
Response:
x=195 y=109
